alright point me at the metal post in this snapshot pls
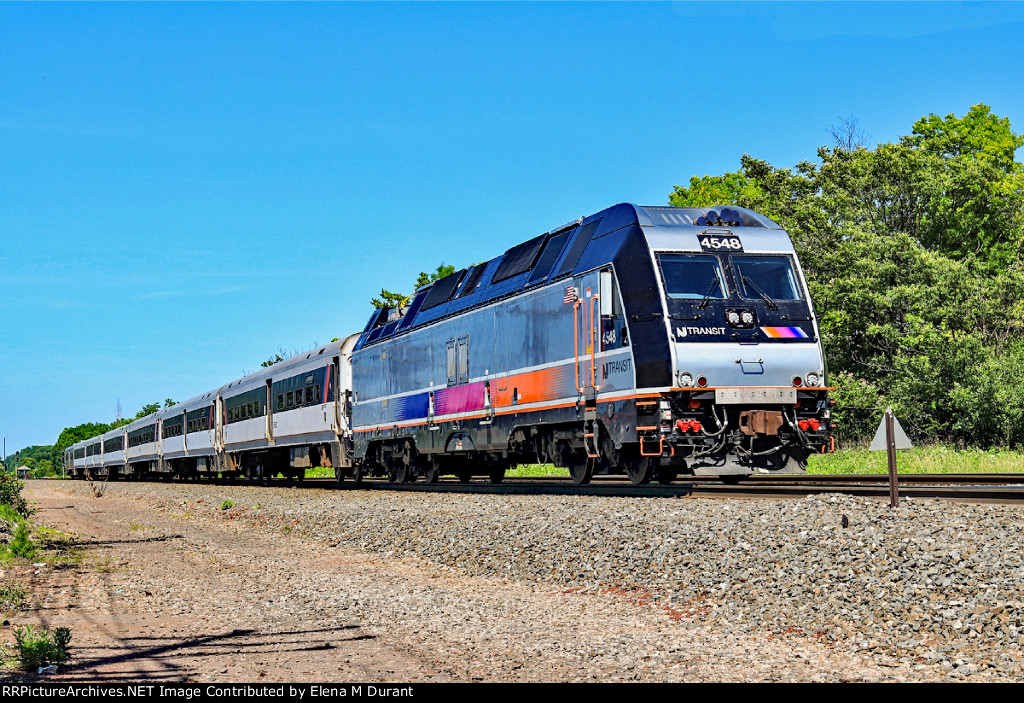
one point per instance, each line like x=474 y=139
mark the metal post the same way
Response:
x=890 y=446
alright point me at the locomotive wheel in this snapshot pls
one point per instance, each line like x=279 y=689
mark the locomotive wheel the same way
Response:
x=496 y=474
x=431 y=471
x=580 y=468
x=464 y=475
x=640 y=470
x=357 y=475
x=339 y=475
x=299 y=475
x=398 y=471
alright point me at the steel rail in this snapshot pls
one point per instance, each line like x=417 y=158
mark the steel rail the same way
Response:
x=984 y=488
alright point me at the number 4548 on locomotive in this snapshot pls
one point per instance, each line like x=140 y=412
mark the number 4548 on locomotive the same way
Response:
x=650 y=341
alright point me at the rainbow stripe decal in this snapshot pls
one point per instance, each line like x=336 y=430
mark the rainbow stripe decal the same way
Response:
x=784 y=332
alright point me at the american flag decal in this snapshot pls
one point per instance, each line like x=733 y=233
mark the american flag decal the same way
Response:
x=570 y=295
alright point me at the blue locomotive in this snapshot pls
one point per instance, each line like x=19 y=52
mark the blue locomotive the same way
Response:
x=650 y=341
x=646 y=340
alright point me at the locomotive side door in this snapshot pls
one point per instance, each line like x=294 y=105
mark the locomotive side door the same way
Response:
x=501 y=358
x=586 y=332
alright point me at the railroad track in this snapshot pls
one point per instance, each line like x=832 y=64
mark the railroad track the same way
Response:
x=985 y=488
x=975 y=488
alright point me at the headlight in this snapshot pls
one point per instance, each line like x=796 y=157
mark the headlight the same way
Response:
x=732 y=317
x=686 y=379
x=813 y=379
x=747 y=317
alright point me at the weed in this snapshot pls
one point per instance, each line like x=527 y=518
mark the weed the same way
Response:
x=10 y=494
x=38 y=648
x=13 y=596
x=21 y=545
x=227 y=505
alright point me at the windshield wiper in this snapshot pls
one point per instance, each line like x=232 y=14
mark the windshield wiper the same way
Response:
x=757 y=289
x=707 y=296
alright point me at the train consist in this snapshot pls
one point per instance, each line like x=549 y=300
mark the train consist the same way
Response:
x=650 y=341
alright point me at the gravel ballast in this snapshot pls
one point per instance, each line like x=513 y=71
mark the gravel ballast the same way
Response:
x=932 y=589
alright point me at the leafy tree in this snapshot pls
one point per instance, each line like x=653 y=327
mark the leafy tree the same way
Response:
x=281 y=355
x=913 y=253
x=37 y=458
x=147 y=409
x=705 y=191
x=390 y=299
x=276 y=358
x=72 y=435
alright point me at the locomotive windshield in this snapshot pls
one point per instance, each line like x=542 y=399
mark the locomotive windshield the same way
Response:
x=767 y=277
x=693 y=277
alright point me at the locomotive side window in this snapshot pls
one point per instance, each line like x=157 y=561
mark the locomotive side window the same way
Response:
x=693 y=276
x=463 y=354
x=768 y=275
x=450 y=355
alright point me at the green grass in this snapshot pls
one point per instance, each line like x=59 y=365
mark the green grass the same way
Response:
x=58 y=549
x=928 y=459
x=536 y=470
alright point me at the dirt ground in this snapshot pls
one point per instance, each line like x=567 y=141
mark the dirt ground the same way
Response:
x=121 y=632
x=160 y=589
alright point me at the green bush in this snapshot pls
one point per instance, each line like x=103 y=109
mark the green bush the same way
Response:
x=37 y=648
x=10 y=494
x=21 y=545
x=10 y=515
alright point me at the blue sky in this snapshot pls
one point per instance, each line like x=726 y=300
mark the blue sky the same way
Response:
x=187 y=187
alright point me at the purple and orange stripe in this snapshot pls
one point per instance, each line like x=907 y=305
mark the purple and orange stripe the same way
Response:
x=784 y=332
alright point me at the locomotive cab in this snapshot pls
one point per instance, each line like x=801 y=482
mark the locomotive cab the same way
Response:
x=748 y=374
